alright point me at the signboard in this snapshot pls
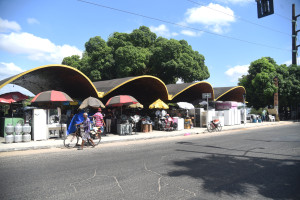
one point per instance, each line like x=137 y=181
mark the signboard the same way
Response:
x=264 y=8
x=206 y=95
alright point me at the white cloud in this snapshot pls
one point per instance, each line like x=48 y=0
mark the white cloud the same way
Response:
x=9 y=69
x=289 y=62
x=35 y=47
x=32 y=21
x=6 y=26
x=162 y=30
x=214 y=17
x=236 y=72
x=25 y=43
x=191 y=33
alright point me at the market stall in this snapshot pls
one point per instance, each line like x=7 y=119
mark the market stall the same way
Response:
x=47 y=120
x=123 y=125
x=11 y=121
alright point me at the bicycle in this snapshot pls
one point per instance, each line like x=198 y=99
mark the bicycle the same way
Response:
x=75 y=139
x=214 y=125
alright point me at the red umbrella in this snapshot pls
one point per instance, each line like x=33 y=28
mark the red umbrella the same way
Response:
x=51 y=96
x=121 y=100
x=12 y=97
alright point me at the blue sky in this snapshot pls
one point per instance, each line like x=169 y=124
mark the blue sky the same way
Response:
x=35 y=32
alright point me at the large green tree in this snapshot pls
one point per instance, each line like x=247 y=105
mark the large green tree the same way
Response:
x=139 y=53
x=259 y=83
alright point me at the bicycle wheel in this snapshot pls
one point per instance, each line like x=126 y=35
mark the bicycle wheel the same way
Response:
x=209 y=128
x=70 y=140
x=96 y=138
x=219 y=127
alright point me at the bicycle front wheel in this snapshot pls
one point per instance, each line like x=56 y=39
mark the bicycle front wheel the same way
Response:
x=209 y=128
x=96 y=138
x=70 y=140
x=219 y=127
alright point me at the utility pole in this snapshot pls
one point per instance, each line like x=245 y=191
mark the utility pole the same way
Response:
x=276 y=106
x=294 y=36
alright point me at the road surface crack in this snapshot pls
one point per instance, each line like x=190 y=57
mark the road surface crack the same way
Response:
x=95 y=175
x=159 y=182
x=159 y=179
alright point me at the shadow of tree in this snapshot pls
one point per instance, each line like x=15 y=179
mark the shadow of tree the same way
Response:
x=236 y=175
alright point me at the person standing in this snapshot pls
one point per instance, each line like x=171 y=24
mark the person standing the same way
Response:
x=86 y=127
x=108 y=118
x=263 y=115
x=99 y=120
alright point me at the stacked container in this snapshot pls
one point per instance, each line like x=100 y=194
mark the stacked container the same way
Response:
x=26 y=133
x=18 y=133
x=9 y=130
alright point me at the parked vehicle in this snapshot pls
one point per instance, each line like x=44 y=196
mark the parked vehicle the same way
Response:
x=214 y=125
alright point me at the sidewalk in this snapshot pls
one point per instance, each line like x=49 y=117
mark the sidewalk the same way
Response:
x=58 y=143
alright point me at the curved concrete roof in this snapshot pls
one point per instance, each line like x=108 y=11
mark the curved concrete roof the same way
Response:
x=229 y=93
x=146 y=89
x=189 y=92
x=54 y=77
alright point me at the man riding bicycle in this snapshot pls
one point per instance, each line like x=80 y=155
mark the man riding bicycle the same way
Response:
x=86 y=127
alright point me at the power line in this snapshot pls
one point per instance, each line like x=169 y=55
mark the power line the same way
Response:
x=284 y=17
x=245 y=20
x=184 y=26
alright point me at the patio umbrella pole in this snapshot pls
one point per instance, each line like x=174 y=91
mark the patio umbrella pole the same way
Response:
x=12 y=115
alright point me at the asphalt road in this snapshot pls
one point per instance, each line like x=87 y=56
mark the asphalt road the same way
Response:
x=250 y=164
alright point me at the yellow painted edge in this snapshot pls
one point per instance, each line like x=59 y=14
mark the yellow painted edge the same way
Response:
x=213 y=94
x=138 y=77
x=46 y=66
x=100 y=94
x=229 y=91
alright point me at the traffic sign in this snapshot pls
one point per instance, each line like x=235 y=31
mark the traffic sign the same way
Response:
x=206 y=95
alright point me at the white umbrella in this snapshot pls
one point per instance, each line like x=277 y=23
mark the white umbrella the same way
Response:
x=203 y=103
x=185 y=105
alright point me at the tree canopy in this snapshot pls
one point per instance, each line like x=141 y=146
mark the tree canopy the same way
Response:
x=259 y=83
x=139 y=53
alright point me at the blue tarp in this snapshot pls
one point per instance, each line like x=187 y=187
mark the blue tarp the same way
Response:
x=78 y=118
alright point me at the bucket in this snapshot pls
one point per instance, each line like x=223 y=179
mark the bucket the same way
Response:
x=187 y=123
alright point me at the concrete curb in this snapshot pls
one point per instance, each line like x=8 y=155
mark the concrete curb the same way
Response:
x=142 y=136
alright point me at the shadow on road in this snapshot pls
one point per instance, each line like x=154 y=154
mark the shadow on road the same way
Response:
x=238 y=175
